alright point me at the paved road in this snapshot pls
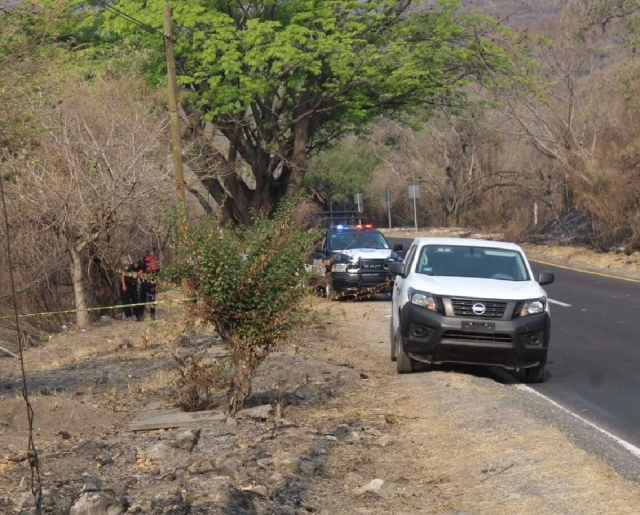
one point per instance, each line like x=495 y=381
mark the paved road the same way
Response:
x=594 y=357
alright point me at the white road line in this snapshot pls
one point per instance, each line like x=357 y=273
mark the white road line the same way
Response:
x=563 y=304
x=623 y=443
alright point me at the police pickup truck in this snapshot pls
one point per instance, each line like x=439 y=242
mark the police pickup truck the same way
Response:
x=352 y=259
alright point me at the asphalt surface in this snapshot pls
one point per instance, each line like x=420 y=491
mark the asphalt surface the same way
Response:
x=594 y=355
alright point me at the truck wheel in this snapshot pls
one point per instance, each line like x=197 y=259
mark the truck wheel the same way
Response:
x=404 y=364
x=535 y=374
x=392 y=340
x=328 y=289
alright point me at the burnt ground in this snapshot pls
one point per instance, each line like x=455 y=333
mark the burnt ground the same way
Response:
x=345 y=434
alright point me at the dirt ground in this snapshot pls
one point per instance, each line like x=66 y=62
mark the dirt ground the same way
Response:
x=343 y=434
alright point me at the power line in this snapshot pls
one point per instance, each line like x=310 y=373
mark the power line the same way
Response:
x=131 y=19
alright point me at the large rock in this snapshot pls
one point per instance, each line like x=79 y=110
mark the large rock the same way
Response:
x=99 y=503
x=258 y=413
x=187 y=440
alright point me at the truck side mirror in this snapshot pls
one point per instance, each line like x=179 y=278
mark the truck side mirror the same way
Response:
x=545 y=278
x=397 y=268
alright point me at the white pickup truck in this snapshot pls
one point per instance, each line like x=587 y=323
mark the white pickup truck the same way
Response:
x=470 y=301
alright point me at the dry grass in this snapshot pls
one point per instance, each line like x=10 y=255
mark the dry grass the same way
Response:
x=581 y=257
x=155 y=382
x=466 y=442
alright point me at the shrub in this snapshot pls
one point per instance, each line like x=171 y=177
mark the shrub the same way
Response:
x=250 y=282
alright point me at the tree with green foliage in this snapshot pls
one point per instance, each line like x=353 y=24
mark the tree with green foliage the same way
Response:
x=341 y=171
x=281 y=80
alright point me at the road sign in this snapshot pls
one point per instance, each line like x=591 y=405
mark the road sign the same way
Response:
x=387 y=198
x=358 y=200
x=414 y=193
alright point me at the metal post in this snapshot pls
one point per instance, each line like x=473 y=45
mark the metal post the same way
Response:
x=415 y=213
x=535 y=213
x=389 y=209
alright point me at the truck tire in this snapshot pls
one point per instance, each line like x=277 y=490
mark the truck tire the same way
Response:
x=536 y=374
x=404 y=364
x=328 y=288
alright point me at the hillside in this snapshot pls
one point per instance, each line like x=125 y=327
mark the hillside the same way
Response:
x=535 y=14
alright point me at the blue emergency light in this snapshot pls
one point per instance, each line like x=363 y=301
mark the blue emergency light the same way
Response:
x=339 y=226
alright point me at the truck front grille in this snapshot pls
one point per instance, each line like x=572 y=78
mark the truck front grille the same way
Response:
x=464 y=308
x=374 y=266
x=476 y=337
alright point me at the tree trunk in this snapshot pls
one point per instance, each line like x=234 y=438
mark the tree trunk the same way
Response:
x=77 y=277
x=299 y=157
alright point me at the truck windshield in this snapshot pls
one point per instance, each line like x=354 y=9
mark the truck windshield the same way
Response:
x=477 y=262
x=357 y=240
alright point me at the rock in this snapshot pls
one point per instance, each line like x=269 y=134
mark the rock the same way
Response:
x=331 y=438
x=258 y=413
x=104 y=458
x=303 y=392
x=107 y=376
x=354 y=438
x=307 y=467
x=228 y=467
x=24 y=485
x=200 y=467
x=258 y=490
x=98 y=503
x=341 y=430
x=286 y=462
x=159 y=452
x=372 y=486
x=187 y=440
x=106 y=319
x=91 y=484
x=387 y=440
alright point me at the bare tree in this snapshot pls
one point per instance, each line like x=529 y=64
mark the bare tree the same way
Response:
x=454 y=158
x=95 y=177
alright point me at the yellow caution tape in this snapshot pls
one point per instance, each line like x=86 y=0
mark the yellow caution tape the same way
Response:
x=70 y=311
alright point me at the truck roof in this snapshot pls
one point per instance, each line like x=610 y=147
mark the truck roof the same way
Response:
x=470 y=242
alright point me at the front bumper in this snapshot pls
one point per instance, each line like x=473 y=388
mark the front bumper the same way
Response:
x=346 y=282
x=435 y=338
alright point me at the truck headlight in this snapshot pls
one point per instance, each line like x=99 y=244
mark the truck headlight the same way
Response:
x=423 y=299
x=340 y=262
x=533 y=307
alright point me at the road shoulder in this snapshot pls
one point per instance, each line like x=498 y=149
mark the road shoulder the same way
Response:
x=462 y=442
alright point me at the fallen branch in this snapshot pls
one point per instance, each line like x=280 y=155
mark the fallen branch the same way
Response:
x=8 y=352
x=499 y=472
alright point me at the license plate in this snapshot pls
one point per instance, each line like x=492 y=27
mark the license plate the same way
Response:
x=479 y=327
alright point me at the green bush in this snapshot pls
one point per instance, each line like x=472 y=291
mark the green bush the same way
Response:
x=250 y=282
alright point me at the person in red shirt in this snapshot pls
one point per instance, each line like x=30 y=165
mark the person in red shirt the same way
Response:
x=149 y=266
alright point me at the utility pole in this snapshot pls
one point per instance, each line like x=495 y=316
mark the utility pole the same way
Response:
x=175 y=120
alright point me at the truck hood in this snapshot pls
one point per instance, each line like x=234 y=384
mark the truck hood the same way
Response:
x=356 y=254
x=477 y=288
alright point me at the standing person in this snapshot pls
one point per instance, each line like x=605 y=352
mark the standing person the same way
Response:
x=129 y=290
x=149 y=266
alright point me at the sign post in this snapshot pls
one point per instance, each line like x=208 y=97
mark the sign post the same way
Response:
x=414 y=193
x=358 y=199
x=387 y=198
